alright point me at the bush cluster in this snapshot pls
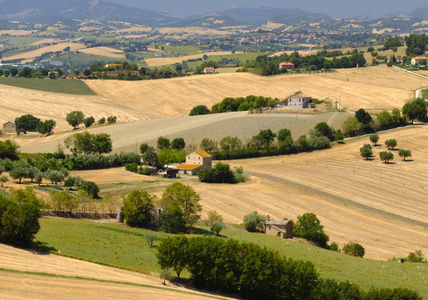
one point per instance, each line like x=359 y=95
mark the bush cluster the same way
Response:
x=252 y=272
x=19 y=218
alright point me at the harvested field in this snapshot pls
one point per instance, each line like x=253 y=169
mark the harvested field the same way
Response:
x=46 y=41
x=193 y=30
x=29 y=56
x=16 y=102
x=105 y=51
x=56 y=277
x=165 y=61
x=17 y=32
x=194 y=129
x=382 y=206
x=373 y=88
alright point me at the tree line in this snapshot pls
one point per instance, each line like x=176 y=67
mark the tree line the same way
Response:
x=269 y=65
x=252 y=272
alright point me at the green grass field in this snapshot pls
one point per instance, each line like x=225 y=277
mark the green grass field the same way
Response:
x=73 y=87
x=123 y=247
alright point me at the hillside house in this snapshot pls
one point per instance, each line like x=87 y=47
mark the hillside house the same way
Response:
x=9 y=127
x=418 y=60
x=299 y=101
x=209 y=70
x=286 y=65
x=282 y=228
x=196 y=161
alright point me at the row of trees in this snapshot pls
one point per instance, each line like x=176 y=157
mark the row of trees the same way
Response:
x=179 y=203
x=252 y=272
x=87 y=143
x=27 y=72
x=367 y=150
x=31 y=123
x=263 y=144
x=77 y=117
x=268 y=65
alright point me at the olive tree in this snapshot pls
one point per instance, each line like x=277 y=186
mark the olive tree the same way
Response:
x=386 y=156
x=75 y=118
x=374 y=138
x=404 y=153
x=391 y=143
x=366 y=151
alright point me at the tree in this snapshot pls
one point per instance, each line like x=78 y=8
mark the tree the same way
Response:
x=230 y=144
x=172 y=253
x=76 y=72
x=3 y=179
x=221 y=173
x=366 y=151
x=186 y=199
x=150 y=157
x=386 y=156
x=363 y=117
x=111 y=119
x=91 y=188
x=46 y=127
x=214 y=216
x=309 y=227
x=150 y=238
x=165 y=274
x=338 y=136
x=199 y=110
x=325 y=130
x=216 y=227
x=416 y=109
x=8 y=150
x=253 y=222
x=374 y=138
x=283 y=134
x=178 y=144
x=102 y=143
x=138 y=208
x=25 y=72
x=416 y=256
x=163 y=143
x=26 y=123
x=75 y=118
x=18 y=172
x=353 y=249
x=143 y=148
x=264 y=139
x=89 y=121
x=208 y=145
x=391 y=143
x=404 y=153
x=14 y=71
x=87 y=72
x=101 y=121
x=54 y=176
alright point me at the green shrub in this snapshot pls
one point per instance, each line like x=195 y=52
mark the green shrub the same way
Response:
x=216 y=227
x=221 y=173
x=91 y=188
x=354 y=249
x=254 y=222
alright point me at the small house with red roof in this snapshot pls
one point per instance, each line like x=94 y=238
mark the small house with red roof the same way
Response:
x=286 y=65
x=196 y=161
x=209 y=70
x=418 y=60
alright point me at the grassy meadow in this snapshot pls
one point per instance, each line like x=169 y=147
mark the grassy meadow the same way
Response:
x=123 y=247
x=73 y=87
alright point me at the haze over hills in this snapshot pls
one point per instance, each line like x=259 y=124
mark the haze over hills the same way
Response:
x=45 y=11
x=49 y=11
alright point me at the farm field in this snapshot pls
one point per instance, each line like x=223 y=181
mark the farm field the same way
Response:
x=194 y=129
x=164 y=61
x=106 y=52
x=29 y=56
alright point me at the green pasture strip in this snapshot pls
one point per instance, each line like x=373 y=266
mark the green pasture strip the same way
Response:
x=63 y=86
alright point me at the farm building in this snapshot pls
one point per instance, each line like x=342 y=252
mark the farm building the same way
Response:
x=299 y=101
x=286 y=65
x=209 y=70
x=9 y=127
x=418 y=59
x=282 y=228
x=196 y=161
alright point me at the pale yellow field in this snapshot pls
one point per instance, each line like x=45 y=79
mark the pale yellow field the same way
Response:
x=193 y=30
x=270 y=26
x=46 y=41
x=29 y=56
x=17 y=32
x=26 y=286
x=164 y=61
x=105 y=51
